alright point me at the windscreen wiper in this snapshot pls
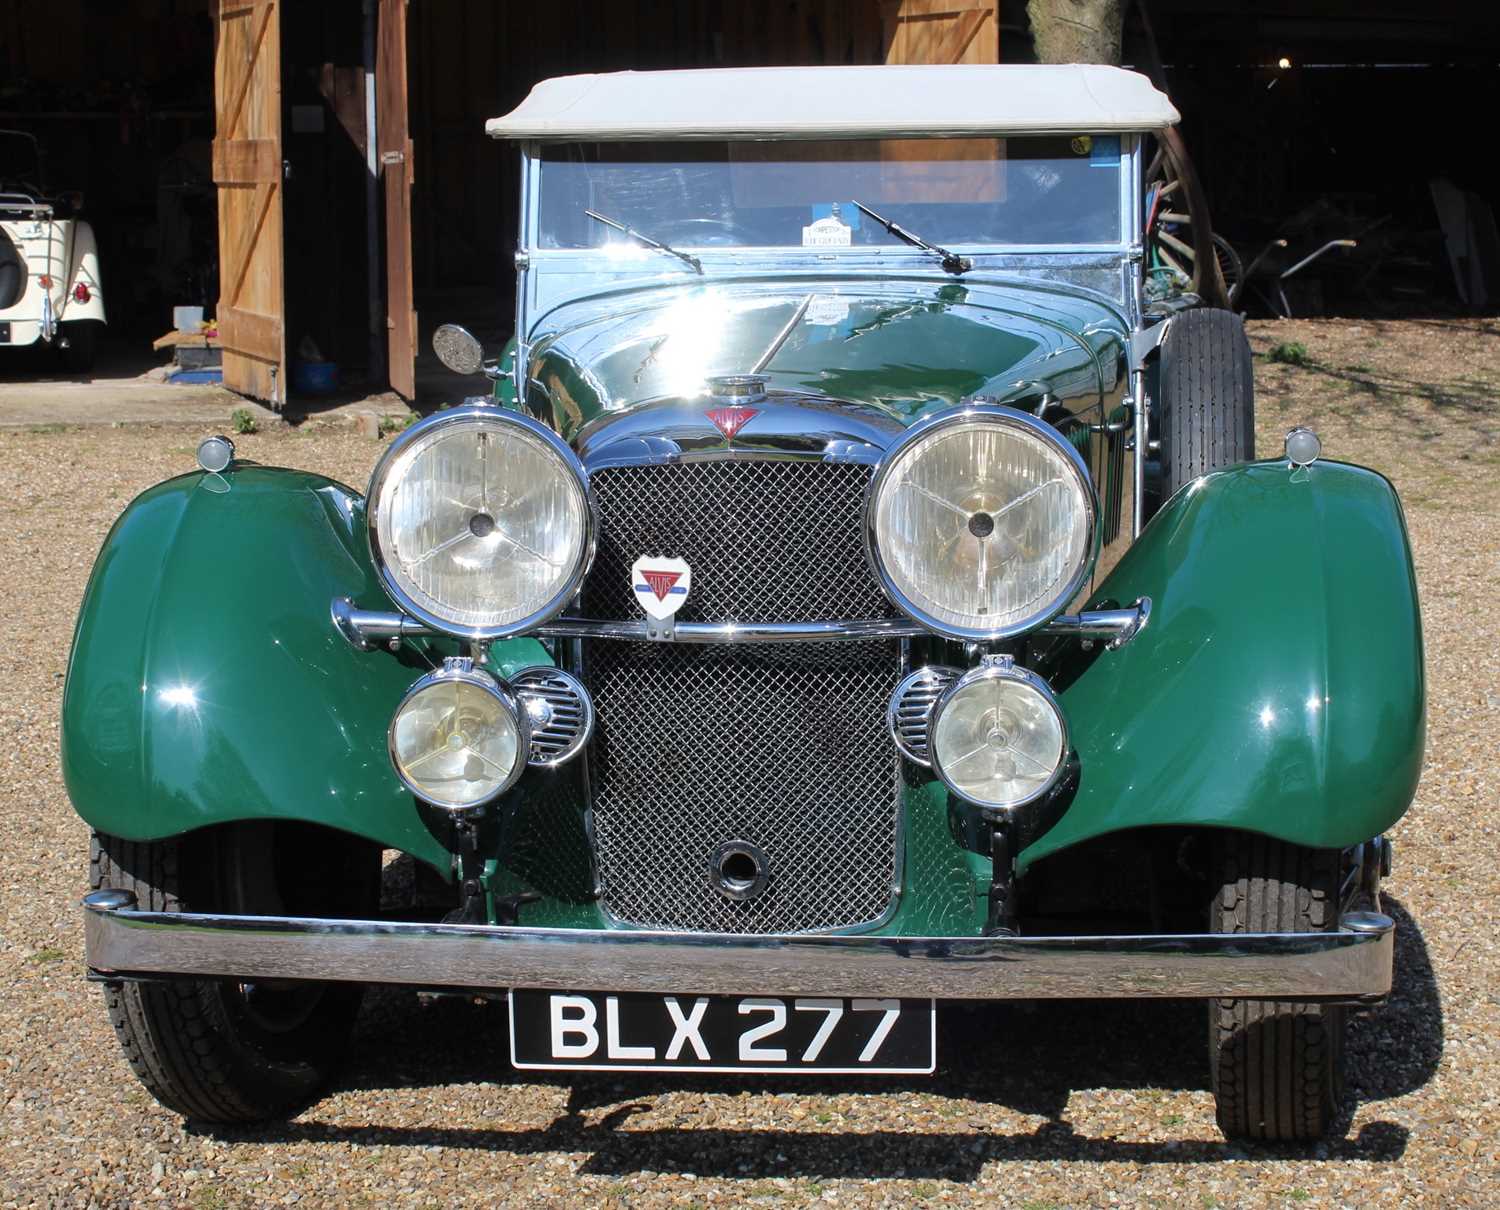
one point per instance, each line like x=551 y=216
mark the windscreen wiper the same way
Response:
x=952 y=262
x=646 y=240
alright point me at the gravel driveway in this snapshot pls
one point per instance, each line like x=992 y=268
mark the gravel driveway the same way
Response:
x=1068 y=1104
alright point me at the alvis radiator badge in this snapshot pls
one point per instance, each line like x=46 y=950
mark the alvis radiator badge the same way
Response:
x=661 y=588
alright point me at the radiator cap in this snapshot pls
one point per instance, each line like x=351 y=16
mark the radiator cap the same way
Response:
x=740 y=388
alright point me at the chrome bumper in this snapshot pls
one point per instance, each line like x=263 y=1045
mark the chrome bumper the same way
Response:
x=1353 y=963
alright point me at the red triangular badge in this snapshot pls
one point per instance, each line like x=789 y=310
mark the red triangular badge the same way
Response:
x=660 y=582
x=730 y=421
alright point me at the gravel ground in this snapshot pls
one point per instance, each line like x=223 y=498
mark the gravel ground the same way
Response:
x=1074 y=1104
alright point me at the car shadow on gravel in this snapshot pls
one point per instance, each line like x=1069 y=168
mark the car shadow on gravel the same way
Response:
x=1027 y=1057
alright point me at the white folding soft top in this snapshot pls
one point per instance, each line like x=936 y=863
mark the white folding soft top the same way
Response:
x=837 y=102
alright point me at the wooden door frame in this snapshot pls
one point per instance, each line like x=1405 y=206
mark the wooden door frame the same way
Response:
x=397 y=167
x=247 y=170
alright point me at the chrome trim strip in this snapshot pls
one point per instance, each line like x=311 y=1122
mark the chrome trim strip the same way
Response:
x=367 y=629
x=1355 y=961
x=735 y=632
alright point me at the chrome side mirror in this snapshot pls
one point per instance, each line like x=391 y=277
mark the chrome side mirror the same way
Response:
x=458 y=349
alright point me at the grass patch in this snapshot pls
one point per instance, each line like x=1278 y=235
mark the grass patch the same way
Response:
x=48 y=954
x=243 y=420
x=209 y=1197
x=1289 y=353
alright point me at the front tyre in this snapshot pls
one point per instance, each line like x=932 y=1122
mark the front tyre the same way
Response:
x=218 y=1050
x=1277 y=1065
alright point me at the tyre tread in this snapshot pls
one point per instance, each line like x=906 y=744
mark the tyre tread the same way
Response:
x=1207 y=388
x=1276 y=1064
x=175 y=1034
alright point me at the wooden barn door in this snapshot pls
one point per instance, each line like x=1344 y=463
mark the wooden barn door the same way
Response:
x=248 y=173
x=941 y=31
x=393 y=124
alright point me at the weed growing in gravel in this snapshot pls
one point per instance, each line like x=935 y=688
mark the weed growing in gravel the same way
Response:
x=243 y=420
x=49 y=954
x=1290 y=353
x=209 y=1197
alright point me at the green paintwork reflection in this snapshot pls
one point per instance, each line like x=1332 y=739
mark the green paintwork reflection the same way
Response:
x=905 y=346
x=1278 y=686
x=208 y=684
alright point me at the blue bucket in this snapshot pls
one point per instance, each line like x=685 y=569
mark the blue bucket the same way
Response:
x=315 y=377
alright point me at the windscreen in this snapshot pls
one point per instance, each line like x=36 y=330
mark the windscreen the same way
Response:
x=947 y=191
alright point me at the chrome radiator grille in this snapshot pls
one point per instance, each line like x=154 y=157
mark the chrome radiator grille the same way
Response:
x=769 y=540
x=781 y=745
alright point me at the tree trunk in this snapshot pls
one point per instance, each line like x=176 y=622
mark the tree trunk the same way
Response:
x=1076 y=31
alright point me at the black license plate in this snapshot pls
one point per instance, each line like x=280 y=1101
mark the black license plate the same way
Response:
x=609 y=1031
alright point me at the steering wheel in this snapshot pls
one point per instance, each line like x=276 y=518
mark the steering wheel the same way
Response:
x=694 y=232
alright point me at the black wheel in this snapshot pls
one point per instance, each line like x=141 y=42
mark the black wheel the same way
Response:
x=220 y=1050
x=83 y=338
x=1205 y=406
x=1277 y=1065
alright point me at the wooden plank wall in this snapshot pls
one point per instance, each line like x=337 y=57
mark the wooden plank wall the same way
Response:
x=941 y=31
x=473 y=59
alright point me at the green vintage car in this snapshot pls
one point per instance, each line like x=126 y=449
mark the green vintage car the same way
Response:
x=852 y=595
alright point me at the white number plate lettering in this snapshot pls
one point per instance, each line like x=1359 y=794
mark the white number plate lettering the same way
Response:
x=598 y=1031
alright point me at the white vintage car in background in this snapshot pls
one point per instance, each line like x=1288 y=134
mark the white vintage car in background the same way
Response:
x=49 y=262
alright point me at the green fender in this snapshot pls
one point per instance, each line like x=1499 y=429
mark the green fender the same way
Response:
x=1278 y=684
x=207 y=682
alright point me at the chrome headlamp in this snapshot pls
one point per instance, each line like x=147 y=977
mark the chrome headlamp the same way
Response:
x=480 y=522
x=983 y=522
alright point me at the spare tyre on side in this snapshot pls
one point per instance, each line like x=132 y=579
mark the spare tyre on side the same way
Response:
x=1204 y=413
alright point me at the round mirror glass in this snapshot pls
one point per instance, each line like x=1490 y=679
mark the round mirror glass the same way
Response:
x=458 y=349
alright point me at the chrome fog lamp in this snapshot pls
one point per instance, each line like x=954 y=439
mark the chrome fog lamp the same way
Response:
x=459 y=737
x=983 y=522
x=998 y=736
x=480 y=522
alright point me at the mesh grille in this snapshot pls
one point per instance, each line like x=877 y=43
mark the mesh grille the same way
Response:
x=768 y=540
x=783 y=745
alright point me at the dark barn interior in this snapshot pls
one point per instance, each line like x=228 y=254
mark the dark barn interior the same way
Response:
x=1309 y=121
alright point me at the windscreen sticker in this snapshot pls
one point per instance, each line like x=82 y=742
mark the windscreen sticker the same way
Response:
x=826 y=310
x=1105 y=151
x=827 y=233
